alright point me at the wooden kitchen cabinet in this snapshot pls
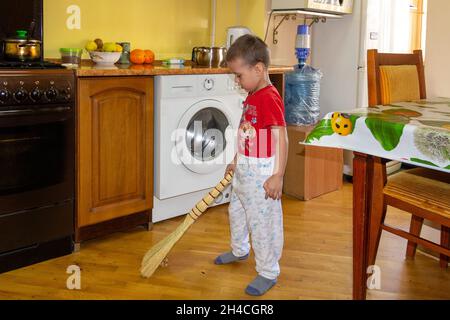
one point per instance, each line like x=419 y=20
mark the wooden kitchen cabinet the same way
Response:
x=114 y=154
x=278 y=81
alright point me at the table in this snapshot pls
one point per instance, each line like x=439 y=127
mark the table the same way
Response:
x=416 y=132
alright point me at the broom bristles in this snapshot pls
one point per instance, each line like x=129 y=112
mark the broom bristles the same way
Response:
x=156 y=255
x=167 y=240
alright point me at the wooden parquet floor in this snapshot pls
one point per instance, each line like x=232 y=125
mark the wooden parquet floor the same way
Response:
x=316 y=263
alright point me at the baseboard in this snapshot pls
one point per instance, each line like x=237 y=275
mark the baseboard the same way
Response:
x=113 y=226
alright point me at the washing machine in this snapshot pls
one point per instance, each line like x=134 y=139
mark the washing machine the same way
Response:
x=196 y=123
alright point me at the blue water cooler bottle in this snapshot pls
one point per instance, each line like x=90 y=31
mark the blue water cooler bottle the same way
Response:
x=303 y=84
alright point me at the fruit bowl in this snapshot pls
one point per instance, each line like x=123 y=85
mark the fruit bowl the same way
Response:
x=105 y=58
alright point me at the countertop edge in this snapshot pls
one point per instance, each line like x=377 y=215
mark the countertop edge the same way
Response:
x=90 y=70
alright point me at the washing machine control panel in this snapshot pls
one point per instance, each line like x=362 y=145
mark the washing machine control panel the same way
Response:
x=208 y=84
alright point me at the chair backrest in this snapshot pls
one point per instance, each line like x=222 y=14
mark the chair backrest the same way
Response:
x=395 y=77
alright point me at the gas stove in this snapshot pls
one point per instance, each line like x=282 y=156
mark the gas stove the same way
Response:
x=37 y=165
x=37 y=149
x=30 y=87
x=39 y=65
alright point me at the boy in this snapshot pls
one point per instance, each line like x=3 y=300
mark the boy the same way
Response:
x=258 y=167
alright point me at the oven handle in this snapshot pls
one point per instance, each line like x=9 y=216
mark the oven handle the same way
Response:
x=25 y=112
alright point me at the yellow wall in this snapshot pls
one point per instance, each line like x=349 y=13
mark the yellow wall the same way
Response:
x=253 y=15
x=168 y=27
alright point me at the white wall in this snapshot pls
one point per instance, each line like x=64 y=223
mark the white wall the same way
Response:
x=438 y=48
x=437 y=68
x=283 y=53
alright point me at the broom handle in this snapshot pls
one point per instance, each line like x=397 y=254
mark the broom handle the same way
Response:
x=156 y=255
x=204 y=204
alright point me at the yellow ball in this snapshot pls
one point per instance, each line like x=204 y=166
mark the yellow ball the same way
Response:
x=341 y=124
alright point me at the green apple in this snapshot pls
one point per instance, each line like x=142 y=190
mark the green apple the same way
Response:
x=91 y=46
x=109 y=47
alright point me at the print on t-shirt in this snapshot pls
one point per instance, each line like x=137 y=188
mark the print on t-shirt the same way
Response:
x=247 y=136
x=262 y=111
x=247 y=132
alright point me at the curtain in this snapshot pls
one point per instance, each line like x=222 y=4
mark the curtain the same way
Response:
x=395 y=26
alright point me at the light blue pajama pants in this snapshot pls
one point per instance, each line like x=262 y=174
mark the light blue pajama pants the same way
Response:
x=252 y=215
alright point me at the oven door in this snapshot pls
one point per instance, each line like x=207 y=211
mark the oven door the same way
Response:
x=36 y=157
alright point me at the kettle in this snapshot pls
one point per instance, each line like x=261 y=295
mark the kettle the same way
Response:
x=235 y=33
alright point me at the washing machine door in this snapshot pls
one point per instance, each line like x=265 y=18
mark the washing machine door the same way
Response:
x=205 y=137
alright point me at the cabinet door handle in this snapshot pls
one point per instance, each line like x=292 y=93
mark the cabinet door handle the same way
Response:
x=34 y=111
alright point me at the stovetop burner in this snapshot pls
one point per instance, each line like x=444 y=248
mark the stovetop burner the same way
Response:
x=30 y=65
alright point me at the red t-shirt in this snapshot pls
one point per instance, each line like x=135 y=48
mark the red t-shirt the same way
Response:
x=262 y=110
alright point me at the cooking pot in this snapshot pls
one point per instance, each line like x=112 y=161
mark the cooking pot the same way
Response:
x=212 y=57
x=22 y=48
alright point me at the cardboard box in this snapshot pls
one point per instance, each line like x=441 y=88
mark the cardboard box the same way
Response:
x=311 y=171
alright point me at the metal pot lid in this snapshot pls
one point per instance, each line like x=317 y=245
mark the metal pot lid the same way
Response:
x=210 y=48
x=22 y=37
x=22 y=41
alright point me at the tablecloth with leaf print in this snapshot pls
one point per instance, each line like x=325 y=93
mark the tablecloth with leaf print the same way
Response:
x=412 y=132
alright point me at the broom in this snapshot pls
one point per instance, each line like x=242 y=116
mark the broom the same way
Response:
x=157 y=255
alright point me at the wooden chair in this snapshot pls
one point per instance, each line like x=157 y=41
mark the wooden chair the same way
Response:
x=376 y=61
x=423 y=193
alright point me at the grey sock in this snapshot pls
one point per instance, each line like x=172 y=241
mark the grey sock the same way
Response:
x=260 y=286
x=228 y=257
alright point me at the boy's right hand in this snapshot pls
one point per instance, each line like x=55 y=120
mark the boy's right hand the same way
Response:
x=230 y=169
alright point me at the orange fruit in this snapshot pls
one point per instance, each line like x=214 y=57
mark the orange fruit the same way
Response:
x=149 y=56
x=137 y=56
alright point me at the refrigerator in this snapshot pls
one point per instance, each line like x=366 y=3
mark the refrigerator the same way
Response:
x=339 y=50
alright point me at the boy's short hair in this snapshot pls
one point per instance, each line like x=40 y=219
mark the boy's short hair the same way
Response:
x=251 y=49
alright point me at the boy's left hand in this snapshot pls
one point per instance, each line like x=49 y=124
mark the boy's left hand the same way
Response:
x=274 y=187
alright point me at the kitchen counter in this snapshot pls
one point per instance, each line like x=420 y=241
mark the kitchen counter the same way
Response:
x=89 y=69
